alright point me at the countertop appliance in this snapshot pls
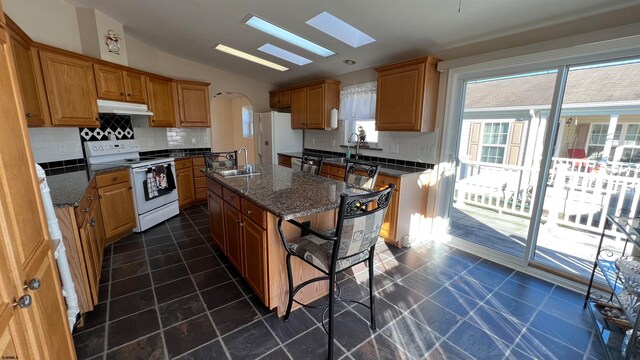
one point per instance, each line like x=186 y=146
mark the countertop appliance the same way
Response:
x=273 y=134
x=112 y=153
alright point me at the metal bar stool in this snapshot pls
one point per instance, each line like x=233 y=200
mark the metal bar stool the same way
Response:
x=220 y=159
x=361 y=174
x=360 y=218
x=311 y=164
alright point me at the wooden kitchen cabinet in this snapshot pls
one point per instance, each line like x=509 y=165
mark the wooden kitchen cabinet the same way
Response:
x=199 y=180
x=316 y=109
x=92 y=257
x=109 y=82
x=184 y=183
x=70 y=88
x=255 y=256
x=280 y=99
x=407 y=95
x=310 y=103
x=193 y=104
x=232 y=225
x=299 y=108
x=160 y=98
x=135 y=86
x=116 y=203
x=29 y=72
x=216 y=218
x=389 y=227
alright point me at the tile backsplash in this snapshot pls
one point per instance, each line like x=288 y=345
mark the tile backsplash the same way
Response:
x=111 y=125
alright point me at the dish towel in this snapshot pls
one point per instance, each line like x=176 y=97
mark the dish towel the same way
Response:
x=159 y=181
x=151 y=185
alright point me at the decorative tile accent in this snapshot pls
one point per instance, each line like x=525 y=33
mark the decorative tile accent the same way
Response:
x=120 y=125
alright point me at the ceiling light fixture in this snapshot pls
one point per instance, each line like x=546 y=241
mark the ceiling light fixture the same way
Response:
x=275 y=30
x=349 y=62
x=284 y=54
x=340 y=30
x=252 y=58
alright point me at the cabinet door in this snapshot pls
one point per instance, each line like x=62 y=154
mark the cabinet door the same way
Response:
x=25 y=250
x=32 y=91
x=194 y=105
x=315 y=107
x=273 y=100
x=71 y=90
x=118 y=214
x=298 y=108
x=284 y=98
x=87 y=239
x=255 y=257
x=389 y=227
x=186 y=192
x=8 y=342
x=109 y=82
x=135 y=87
x=160 y=94
x=216 y=220
x=232 y=220
x=399 y=98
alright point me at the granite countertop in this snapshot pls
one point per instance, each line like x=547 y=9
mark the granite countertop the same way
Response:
x=68 y=189
x=182 y=155
x=385 y=169
x=287 y=193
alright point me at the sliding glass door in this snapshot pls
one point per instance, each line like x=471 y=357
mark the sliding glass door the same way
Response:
x=536 y=189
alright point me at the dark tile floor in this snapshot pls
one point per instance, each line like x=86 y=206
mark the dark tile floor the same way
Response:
x=169 y=293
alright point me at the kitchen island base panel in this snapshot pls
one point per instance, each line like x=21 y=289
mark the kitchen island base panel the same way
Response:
x=278 y=283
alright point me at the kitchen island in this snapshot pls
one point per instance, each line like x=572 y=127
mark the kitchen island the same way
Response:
x=244 y=213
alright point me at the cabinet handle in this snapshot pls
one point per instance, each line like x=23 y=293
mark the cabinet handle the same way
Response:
x=249 y=212
x=23 y=302
x=90 y=198
x=92 y=223
x=33 y=284
x=115 y=178
x=128 y=94
x=86 y=210
x=97 y=118
x=29 y=115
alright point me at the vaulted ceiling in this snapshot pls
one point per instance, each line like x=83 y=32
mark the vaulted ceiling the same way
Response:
x=402 y=28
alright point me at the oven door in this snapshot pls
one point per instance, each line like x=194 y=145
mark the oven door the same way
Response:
x=142 y=204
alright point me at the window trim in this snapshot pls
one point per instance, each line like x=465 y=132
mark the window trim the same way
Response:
x=623 y=134
x=352 y=129
x=504 y=146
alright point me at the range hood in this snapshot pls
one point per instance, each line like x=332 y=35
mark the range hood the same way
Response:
x=122 y=108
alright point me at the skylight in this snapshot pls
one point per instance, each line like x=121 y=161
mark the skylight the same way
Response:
x=255 y=59
x=284 y=54
x=340 y=30
x=274 y=30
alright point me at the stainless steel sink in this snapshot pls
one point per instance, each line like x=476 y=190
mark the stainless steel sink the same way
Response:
x=235 y=173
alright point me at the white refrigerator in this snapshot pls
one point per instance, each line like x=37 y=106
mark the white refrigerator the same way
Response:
x=273 y=134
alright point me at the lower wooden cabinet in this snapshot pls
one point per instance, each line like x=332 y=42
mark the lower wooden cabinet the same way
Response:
x=184 y=182
x=116 y=202
x=232 y=225
x=216 y=219
x=255 y=256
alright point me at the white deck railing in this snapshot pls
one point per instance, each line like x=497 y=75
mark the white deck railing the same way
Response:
x=579 y=194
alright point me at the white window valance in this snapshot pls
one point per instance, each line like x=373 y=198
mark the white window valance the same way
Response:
x=358 y=101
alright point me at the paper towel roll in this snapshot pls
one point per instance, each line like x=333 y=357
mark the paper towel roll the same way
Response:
x=333 y=120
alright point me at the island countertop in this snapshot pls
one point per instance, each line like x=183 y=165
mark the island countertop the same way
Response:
x=287 y=193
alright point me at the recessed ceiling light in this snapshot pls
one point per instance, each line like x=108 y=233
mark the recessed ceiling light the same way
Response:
x=340 y=30
x=255 y=59
x=284 y=54
x=275 y=30
x=349 y=62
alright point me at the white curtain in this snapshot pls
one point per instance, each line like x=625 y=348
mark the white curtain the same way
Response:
x=358 y=101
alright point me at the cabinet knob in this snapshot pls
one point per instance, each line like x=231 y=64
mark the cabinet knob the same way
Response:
x=153 y=120
x=29 y=115
x=97 y=118
x=99 y=197
x=86 y=210
x=241 y=224
x=92 y=223
x=33 y=284
x=128 y=94
x=130 y=188
x=90 y=198
x=121 y=94
x=23 y=302
x=115 y=178
x=249 y=212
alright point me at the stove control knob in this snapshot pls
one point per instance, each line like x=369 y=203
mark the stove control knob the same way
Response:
x=95 y=148
x=101 y=148
x=136 y=145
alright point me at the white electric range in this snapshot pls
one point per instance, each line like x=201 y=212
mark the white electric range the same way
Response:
x=151 y=209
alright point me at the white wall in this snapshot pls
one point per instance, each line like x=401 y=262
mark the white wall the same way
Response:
x=238 y=139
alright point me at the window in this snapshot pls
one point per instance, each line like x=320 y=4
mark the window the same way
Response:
x=247 y=122
x=494 y=142
x=598 y=139
x=369 y=127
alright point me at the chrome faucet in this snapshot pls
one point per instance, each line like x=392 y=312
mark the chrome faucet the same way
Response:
x=357 y=143
x=247 y=166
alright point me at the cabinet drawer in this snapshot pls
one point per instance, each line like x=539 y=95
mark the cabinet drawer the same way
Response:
x=326 y=169
x=85 y=204
x=183 y=164
x=284 y=160
x=215 y=187
x=197 y=173
x=112 y=178
x=201 y=183
x=384 y=181
x=338 y=171
x=253 y=212
x=232 y=198
x=201 y=194
x=198 y=161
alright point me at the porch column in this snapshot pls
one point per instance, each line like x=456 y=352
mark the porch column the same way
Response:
x=613 y=121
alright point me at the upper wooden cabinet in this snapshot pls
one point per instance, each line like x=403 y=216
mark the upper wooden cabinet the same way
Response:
x=32 y=92
x=280 y=99
x=160 y=94
x=193 y=104
x=311 y=104
x=407 y=95
x=70 y=88
x=113 y=83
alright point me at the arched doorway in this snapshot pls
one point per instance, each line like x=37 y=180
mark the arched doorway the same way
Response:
x=232 y=124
